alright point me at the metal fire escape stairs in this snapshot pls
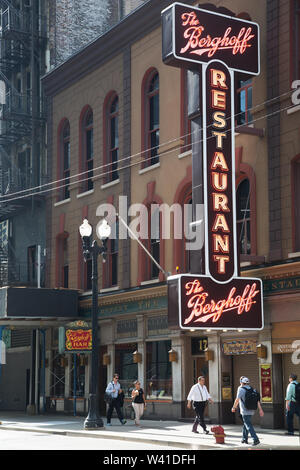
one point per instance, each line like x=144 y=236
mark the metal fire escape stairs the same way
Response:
x=22 y=33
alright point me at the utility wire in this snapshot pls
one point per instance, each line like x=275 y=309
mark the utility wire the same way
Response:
x=137 y=154
x=56 y=182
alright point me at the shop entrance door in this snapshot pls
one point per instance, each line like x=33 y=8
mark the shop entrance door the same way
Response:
x=289 y=367
x=247 y=365
x=200 y=367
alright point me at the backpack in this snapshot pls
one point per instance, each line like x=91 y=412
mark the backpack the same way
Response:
x=252 y=397
x=297 y=393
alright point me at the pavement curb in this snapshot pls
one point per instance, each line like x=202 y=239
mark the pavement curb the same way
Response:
x=116 y=436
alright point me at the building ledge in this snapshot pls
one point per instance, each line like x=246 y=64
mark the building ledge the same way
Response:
x=259 y=132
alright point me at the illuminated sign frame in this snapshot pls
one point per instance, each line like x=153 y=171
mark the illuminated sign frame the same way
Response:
x=78 y=340
x=193 y=37
x=239 y=302
x=233 y=49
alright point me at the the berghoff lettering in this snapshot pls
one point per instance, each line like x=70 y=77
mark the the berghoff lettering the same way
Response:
x=200 y=44
x=203 y=309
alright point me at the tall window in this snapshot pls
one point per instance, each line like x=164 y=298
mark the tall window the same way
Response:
x=65 y=264
x=158 y=370
x=243 y=217
x=65 y=161
x=111 y=275
x=152 y=120
x=186 y=221
x=88 y=151
x=125 y=366
x=244 y=116
x=153 y=243
x=113 y=129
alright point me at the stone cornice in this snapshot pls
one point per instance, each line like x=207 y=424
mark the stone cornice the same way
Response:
x=116 y=298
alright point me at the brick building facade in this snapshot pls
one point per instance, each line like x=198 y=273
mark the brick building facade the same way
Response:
x=118 y=127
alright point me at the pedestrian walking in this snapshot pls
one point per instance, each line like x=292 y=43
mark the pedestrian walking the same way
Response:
x=117 y=396
x=138 y=402
x=248 y=400
x=199 y=395
x=292 y=403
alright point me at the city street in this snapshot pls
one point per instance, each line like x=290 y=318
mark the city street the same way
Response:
x=27 y=440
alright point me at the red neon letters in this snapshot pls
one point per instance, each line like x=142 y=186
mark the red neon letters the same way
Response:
x=202 y=309
x=219 y=173
x=200 y=44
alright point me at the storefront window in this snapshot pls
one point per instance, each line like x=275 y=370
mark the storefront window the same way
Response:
x=158 y=370
x=125 y=367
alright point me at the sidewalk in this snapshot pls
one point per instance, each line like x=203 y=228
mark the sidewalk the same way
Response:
x=166 y=433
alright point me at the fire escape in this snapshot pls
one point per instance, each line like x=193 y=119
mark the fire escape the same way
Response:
x=23 y=36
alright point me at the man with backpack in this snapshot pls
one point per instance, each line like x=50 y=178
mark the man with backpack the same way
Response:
x=292 y=403
x=248 y=399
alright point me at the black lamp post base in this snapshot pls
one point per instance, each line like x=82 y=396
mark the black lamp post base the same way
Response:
x=93 y=423
x=93 y=420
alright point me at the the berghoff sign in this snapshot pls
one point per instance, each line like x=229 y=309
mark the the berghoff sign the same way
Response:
x=217 y=45
x=192 y=35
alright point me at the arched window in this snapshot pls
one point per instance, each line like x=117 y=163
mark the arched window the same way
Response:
x=87 y=151
x=243 y=217
x=65 y=161
x=151 y=119
x=111 y=138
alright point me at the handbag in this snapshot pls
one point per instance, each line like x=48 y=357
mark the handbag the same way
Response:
x=108 y=398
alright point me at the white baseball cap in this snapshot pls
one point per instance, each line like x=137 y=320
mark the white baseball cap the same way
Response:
x=244 y=380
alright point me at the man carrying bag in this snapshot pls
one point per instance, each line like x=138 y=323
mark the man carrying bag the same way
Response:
x=114 y=398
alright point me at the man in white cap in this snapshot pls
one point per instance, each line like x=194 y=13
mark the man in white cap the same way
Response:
x=247 y=413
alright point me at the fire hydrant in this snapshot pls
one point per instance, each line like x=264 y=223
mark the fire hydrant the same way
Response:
x=219 y=434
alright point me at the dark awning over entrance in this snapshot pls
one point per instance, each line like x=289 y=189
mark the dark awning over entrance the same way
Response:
x=26 y=302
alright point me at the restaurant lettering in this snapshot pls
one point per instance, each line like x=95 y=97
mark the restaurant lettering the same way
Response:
x=220 y=233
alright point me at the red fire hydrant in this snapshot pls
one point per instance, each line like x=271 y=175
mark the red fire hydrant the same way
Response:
x=219 y=434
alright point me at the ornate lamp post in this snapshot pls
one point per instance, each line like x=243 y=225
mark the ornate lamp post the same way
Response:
x=91 y=250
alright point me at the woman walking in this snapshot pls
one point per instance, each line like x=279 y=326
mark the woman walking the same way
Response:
x=138 y=402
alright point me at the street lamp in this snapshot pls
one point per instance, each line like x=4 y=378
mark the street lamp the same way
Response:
x=91 y=250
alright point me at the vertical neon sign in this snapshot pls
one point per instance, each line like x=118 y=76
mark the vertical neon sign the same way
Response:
x=221 y=45
x=219 y=174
